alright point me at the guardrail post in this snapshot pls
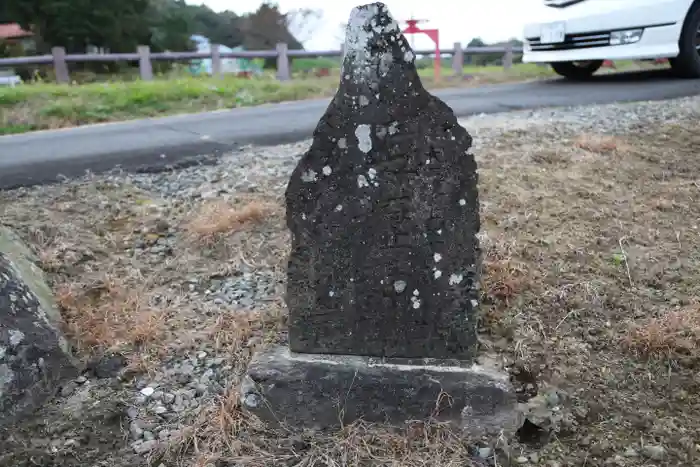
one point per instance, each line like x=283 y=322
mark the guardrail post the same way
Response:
x=216 y=69
x=458 y=61
x=60 y=67
x=282 y=62
x=508 y=57
x=145 y=67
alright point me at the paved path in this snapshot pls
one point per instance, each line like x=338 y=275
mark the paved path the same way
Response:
x=150 y=144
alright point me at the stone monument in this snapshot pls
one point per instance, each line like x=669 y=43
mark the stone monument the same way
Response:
x=35 y=358
x=382 y=283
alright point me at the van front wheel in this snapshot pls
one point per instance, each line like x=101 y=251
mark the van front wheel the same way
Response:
x=576 y=70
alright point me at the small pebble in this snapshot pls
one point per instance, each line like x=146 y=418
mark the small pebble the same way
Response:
x=147 y=391
x=144 y=447
x=521 y=460
x=654 y=452
x=68 y=389
x=135 y=430
x=70 y=442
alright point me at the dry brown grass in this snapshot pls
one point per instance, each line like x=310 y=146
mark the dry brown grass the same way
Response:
x=675 y=334
x=225 y=435
x=110 y=314
x=217 y=219
x=503 y=279
x=602 y=144
x=241 y=332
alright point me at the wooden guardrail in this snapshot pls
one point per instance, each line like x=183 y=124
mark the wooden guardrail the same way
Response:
x=59 y=59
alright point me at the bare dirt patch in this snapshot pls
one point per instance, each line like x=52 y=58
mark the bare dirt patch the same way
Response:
x=591 y=279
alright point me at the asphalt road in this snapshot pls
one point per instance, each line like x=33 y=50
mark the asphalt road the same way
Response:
x=154 y=144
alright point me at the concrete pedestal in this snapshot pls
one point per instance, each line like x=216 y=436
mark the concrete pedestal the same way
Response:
x=317 y=391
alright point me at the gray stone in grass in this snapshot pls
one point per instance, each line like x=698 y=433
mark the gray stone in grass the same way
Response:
x=35 y=358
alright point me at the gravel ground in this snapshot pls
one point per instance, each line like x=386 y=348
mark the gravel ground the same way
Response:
x=169 y=281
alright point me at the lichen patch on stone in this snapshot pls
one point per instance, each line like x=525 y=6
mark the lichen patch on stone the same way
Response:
x=16 y=337
x=399 y=286
x=416 y=302
x=309 y=176
x=6 y=377
x=362 y=181
x=364 y=138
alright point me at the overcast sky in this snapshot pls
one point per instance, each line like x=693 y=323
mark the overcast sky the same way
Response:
x=458 y=20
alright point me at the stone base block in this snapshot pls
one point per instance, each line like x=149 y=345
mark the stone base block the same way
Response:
x=319 y=392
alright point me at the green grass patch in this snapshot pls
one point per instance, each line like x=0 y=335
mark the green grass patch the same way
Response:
x=43 y=106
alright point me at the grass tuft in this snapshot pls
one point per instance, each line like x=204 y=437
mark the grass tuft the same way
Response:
x=673 y=335
x=221 y=218
x=110 y=314
x=602 y=144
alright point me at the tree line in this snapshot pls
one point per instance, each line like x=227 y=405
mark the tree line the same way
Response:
x=122 y=25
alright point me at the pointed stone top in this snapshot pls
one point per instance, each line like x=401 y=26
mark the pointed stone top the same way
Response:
x=374 y=45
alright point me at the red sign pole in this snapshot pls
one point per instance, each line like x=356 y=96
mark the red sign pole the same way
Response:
x=434 y=34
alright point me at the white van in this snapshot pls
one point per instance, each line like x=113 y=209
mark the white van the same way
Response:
x=576 y=36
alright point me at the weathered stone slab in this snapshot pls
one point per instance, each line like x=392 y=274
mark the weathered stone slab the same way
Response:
x=384 y=212
x=34 y=356
x=382 y=283
x=327 y=391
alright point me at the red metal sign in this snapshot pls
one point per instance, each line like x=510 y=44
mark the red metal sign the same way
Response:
x=434 y=34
